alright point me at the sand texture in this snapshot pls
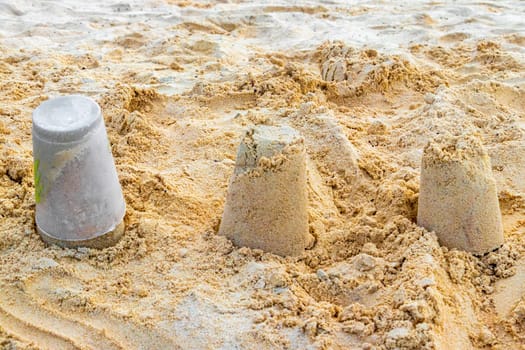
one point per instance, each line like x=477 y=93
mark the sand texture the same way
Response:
x=458 y=198
x=267 y=203
x=367 y=85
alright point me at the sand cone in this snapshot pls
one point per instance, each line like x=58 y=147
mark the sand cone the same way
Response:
x=458 y=198
x=266 y=205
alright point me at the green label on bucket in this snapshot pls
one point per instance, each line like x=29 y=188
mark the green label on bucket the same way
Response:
x=38 y=184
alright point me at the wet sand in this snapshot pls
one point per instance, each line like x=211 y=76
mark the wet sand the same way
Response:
x=367 y=84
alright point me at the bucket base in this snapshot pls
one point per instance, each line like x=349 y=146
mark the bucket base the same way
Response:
x=103 y=241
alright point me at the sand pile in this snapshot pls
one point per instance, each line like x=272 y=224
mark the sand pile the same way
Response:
x=458 y=198
x=179 y=84
x=267 y=204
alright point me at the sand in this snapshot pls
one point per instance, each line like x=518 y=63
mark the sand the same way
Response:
x=368 y=85
x=267 y=202
x=458 y=198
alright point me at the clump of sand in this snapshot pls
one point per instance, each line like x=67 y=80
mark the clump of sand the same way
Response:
x=267 y=204
x=458 y=196
x=356 y=72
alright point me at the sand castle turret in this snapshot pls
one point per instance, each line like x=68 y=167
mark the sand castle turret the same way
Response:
x=266 y=205
x=458 y=197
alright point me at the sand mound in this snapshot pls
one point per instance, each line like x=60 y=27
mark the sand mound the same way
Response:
x=458 y=197
x=266 y=207
x=357 y=72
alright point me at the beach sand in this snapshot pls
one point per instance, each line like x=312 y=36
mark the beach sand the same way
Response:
x=367 y=84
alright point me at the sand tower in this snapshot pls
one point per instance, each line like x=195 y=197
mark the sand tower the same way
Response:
x=458 y=198
x=266 y=205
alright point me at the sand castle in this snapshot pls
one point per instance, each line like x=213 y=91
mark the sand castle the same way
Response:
x=266 y=205
x=458 y=198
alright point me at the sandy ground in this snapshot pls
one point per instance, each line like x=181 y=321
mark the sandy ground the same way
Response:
x=368 y=84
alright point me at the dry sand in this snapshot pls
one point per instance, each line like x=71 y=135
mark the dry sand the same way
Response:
x=367 y=84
